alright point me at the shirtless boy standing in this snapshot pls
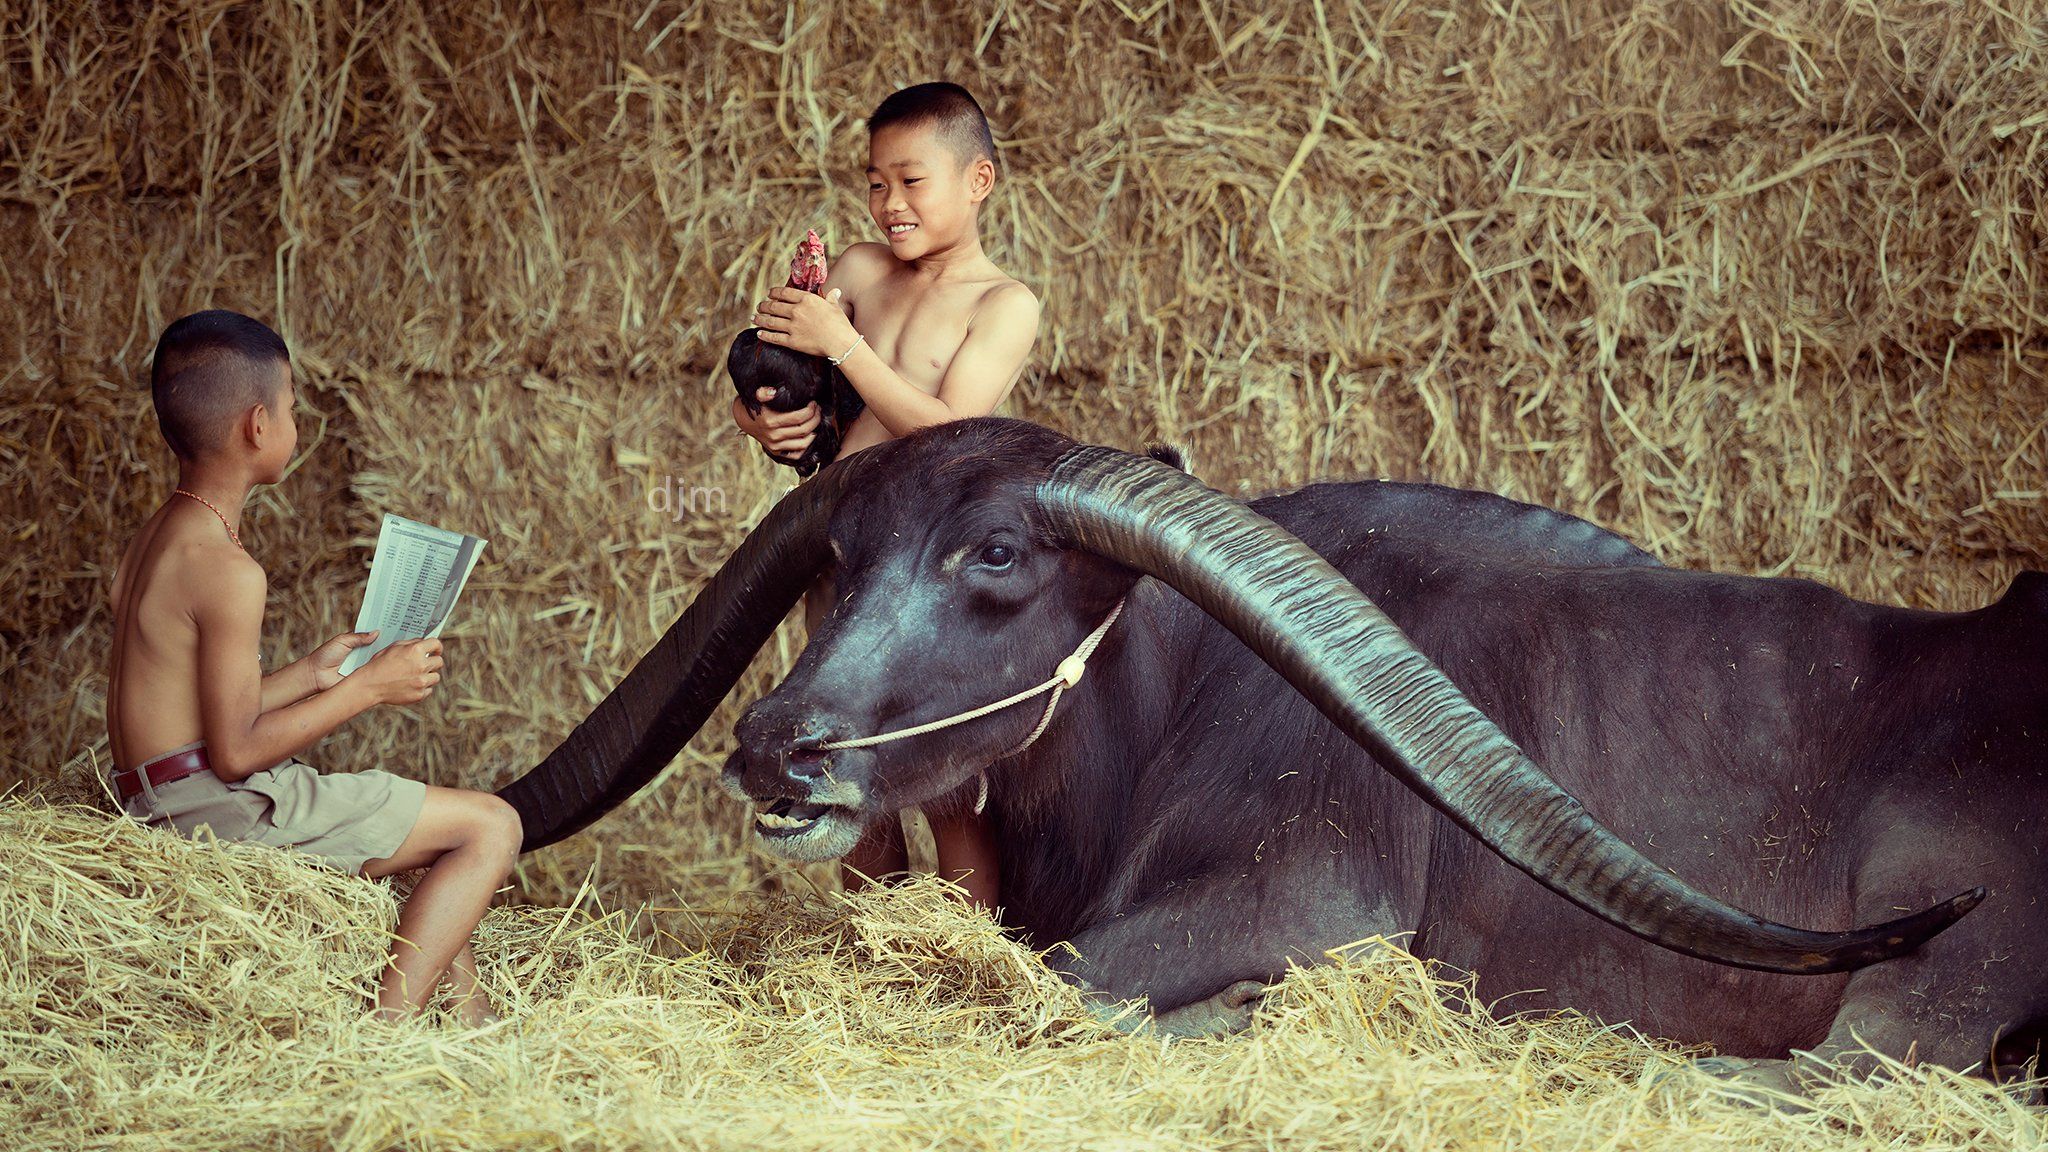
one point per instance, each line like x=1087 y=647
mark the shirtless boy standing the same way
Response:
x=201 y=737
x=942 y=335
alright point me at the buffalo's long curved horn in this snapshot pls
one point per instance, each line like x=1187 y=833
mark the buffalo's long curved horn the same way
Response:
x=637 y=729
x=1337 y=648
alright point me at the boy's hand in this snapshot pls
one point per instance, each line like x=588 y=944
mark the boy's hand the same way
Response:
x=782 y=434
x=804 y=321
x=325 y=661
x=403 y=673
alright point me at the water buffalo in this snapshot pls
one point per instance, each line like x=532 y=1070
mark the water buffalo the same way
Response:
x=1281 y=747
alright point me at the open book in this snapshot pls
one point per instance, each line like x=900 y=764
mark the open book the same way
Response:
x=415 y=576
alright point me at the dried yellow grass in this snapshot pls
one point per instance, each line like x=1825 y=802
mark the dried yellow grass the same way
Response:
x=160 y=992
x=1760 y=285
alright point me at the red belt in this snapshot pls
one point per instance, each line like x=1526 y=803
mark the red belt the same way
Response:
x=162 y=771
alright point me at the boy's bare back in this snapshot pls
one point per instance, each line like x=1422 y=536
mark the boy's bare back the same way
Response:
x=180 y=559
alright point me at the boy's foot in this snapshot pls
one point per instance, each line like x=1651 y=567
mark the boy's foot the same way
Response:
x=476 y=1014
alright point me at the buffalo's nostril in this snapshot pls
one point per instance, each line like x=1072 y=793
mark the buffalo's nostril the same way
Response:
x=805 y=763
x=812 y=732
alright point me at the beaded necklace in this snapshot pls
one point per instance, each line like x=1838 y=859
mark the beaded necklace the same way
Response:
x=217 y=512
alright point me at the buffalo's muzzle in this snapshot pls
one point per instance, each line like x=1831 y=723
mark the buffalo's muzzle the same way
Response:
x=808 y=802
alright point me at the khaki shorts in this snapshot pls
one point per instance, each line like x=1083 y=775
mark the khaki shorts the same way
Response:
x=343 y=819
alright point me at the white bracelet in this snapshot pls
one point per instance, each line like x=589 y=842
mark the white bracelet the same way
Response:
x=836 y=361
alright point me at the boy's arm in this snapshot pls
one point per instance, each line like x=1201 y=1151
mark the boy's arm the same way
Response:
x=989 y=361
x=288 y=685
x=316 y=671
x=992 y=357
x=241 y=738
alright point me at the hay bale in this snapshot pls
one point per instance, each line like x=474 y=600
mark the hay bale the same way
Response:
x=158 y=992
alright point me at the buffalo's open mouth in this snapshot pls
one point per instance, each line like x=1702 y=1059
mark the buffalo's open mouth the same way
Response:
x=805 y=829
x=822 y=821
x=783 y=818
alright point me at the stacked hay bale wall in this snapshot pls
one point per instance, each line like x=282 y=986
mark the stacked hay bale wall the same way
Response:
x=1762 y=286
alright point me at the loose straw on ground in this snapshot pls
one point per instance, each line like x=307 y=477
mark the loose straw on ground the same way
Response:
x=165 y=993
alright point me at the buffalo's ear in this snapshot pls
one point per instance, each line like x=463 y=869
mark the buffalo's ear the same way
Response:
x=1168 y=454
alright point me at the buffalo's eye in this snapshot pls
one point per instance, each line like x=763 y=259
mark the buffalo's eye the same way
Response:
x=998 y=556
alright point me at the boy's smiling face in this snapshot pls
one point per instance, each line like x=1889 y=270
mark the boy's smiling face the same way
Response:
x=915 y=178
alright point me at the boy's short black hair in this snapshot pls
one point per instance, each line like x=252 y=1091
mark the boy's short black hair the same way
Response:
x=948 y=106
x=208 y=369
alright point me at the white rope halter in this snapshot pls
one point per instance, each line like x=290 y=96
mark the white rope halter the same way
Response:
x=1064 y=677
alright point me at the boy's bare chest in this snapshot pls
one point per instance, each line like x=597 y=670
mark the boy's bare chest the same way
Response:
x=917 y=331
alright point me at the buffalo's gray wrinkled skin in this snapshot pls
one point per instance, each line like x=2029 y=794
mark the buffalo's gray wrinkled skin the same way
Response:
x=1190 y=822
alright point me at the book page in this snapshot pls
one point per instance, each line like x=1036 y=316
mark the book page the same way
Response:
x=415 y=575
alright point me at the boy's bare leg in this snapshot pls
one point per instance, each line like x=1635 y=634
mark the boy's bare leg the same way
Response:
x=880 y=853
x=817 y=603
x=966 y=849
x=468 y=842
x=472 y=1007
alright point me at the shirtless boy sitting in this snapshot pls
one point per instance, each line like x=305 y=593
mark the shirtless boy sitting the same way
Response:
x=943 y=335
x=201 y=737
